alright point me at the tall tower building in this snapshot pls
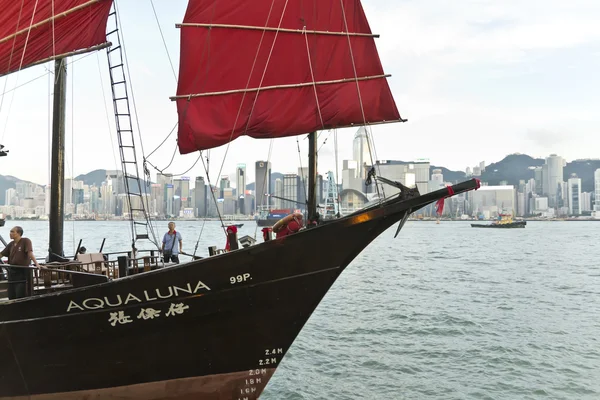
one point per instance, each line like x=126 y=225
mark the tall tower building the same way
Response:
x=290 y=191
x=279 y=193
x=224 y=183
x=361 y=153
x=240 y=179
x=574 y=185
x=555 y=165
x=185 y=192
x=539 y=180
x=597 y=191
x=263 y=184
x=200 y=197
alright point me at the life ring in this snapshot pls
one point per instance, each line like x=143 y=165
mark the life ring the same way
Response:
x=280 y=226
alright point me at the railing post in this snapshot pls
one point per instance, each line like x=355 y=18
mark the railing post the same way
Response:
x=123 y=265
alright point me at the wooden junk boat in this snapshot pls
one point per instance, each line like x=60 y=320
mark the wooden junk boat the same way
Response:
x=215 y=327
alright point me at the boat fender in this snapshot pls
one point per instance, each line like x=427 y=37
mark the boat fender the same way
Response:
x=288 y=225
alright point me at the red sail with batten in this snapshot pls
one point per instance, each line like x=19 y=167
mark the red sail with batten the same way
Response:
x=227 y=54
x=58 y=28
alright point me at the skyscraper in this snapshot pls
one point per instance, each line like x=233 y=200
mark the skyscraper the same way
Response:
x=597 y=191
x=361 y=153
x=223 y=184
x=279 y=193
x=554 y=167
x=200 y=197
x=263 y=184
x=574 y=195
x=240 y=179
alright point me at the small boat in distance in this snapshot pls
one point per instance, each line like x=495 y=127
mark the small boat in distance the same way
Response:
x=236 y=225
x=269 y=218
x=504 y=221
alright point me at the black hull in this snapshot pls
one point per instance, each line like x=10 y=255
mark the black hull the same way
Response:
x=224 y=325
x=2 y=222
x=518 y=224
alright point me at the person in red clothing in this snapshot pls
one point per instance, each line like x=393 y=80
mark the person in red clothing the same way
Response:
x=229 y=229
x=288 y=225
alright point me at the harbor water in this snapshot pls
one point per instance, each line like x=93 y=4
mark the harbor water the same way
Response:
x=441 y=312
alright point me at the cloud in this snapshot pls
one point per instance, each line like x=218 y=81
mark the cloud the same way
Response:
x=481 y=31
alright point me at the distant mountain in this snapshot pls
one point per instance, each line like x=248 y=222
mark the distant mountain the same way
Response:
x=450 y=176
x=8 y=182
x=585 y=170
x=95 y=177
x=515 y=167
x=98 y=176
x=512 y=168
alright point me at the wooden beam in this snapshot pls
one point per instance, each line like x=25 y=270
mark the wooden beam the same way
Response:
x=57 y=16
x=288 y=86
x=271 y=29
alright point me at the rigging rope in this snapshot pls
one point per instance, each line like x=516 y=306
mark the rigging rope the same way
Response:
x=53 y=33
x=72 y=141
x=312 y=75
x=137 y=121
x=112 y=146
x=10 y=63
x=250 y=76
x=206 y=169
x=20 y=63
x=362 y=110
x=337 y=176
x=248 y=83
x=163 y=142
x=163 y=40
x=214 y=198
x=302 y=179
x=48 y=72
x=324 y=141
x=265 y=177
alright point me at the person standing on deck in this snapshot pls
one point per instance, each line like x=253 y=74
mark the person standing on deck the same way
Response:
x=172 y=244
x=19 y=252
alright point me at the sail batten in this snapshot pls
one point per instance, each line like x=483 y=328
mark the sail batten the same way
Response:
x=32 y=32
x=271 y=69
x=71 y=54
x=275 y=29
x=290 y=86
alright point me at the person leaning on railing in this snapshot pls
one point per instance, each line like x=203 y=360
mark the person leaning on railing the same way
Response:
x=19 y=252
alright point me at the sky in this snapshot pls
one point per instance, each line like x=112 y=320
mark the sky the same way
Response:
x=476 y=82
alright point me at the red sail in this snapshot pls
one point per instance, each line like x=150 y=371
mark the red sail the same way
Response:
x=227 y=54
x=33 y=31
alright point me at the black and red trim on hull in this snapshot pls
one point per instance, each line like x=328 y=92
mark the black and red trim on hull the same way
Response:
x=212 y=328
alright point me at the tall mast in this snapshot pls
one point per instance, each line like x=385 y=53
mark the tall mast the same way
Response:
x=312 y=177
x=57 y=176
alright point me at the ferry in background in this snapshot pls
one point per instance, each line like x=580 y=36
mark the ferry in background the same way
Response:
x=503 y=221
